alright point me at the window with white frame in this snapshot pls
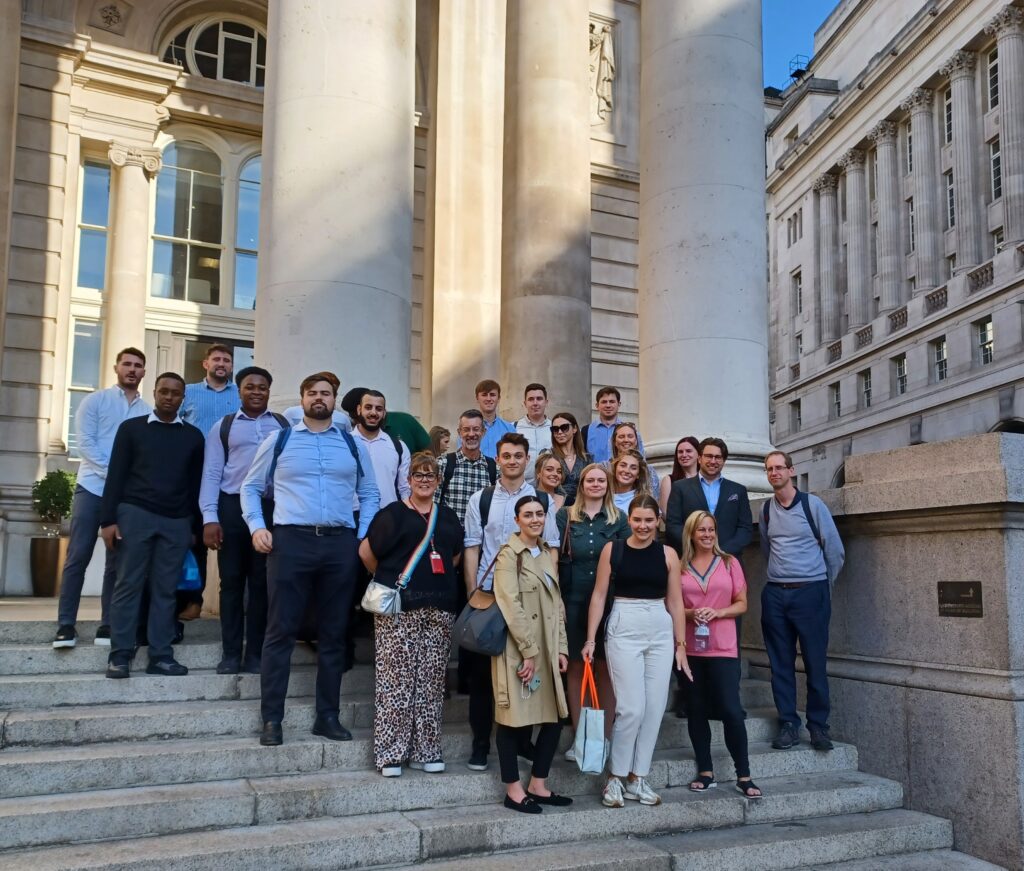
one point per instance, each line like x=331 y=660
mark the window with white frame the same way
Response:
x=232 y=51
x=993 y=78
x=798 y=345
x=247 y=234
x=911 y=228
x=947 y=180
x=985 y=340
x=997 y=240
x=798 y=292
x=873 y=175
x=995 y=165
x=835 y=400
x=873 y=248
x=86 y=347
x=795 y=417
x=864 y=378
x=93 y=221
x=947 y=115
x=951 y=266
x=910 y=151
x=899 y=373
x=940 y=365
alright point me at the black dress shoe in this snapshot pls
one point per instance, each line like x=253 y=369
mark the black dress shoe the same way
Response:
x=119 y=668
x=179 y=633
x=228 y=665
x=329 y=727
x=555 y=800
x=527 y=806
x=271 y=735
x=166 y=667
x=251 y=665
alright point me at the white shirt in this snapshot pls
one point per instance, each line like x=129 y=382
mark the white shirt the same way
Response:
x=96 y=422
x=386 y=465
x=539 y=437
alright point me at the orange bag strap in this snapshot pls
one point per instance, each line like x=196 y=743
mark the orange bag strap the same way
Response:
x=588 y=684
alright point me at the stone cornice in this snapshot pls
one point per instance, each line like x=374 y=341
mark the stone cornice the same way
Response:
x=826 y=183
x=883 y=133
x=1009 y=20
x=852 y=160
x=961 y=64
x=131 y=155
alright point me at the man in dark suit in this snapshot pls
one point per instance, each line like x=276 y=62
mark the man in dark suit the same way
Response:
x=709 y=491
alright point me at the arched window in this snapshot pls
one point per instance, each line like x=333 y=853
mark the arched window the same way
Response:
x=247 y=234
x=187 y=225
x=221 y=49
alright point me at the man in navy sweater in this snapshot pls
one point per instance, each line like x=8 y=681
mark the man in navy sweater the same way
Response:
x=149 y=515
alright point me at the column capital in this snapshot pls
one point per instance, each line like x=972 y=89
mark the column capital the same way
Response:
x=1009 y=19
x=961 y=64
x=853 y=160
x=149 y=159
x=883 y=133
x=826 y=183
x=918 y=100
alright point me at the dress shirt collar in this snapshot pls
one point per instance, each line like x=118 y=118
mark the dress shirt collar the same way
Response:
x=124 y=395
x=301 y=427
x=707 y=482
x=206 y=384
x=154 y=419
x=241 y=415
x=501 y=486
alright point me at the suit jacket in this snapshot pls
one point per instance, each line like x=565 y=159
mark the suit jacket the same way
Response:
x=735 y=525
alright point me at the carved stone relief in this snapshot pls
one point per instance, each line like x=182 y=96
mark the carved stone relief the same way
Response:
x=602 y=72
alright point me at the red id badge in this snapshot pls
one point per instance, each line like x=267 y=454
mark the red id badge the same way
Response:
x=436 y=563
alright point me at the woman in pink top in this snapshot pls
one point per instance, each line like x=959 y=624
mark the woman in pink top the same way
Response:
x=715 y=594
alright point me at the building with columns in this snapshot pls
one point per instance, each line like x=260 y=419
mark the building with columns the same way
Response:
x=416 y=194
x=896 y=232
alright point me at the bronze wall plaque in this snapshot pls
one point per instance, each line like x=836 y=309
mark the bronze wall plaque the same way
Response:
x=960 y=599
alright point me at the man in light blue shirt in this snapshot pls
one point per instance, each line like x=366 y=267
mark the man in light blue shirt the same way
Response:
x=597 y=435
x=96 y=421
x=315 y=470
x=488 y=394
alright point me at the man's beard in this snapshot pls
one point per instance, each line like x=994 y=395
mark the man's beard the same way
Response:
x=319 y=412
x=371 y=427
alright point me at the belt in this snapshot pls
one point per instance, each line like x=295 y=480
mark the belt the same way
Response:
x=318 y=531
x=793 y=586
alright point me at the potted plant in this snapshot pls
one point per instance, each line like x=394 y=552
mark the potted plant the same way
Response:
x=51 y=497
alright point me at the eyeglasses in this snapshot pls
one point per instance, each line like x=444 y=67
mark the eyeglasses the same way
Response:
x=423 y=476
x=711 y=458
x=560 y=428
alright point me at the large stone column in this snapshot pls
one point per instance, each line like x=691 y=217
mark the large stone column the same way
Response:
x=1008 y=27
x=545 y=274
x=828 y=255
x=335 y=277
x=467 y=147
x=703 y=299
x=927 y=241
x=10 y=65
x=124 y=300
x=890 y=254
x=960 y=69
x=858 y=254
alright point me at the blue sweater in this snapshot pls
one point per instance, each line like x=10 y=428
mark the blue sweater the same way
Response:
x=792 y=553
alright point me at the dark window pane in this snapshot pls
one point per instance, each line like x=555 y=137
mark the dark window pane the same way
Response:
x=207 y=65
x=172 y=197
x=238 y=27
x=261 y=50
x=170 y=261
x=245 y=281
x=85 y=358
x=248 y=216
x=182 y=37
x=207 y=41
x=92 y=258
x=261 y=76
x=95 y=194
x=204 y=275
x=189 y=155
x=207 y=208
x=237 y=65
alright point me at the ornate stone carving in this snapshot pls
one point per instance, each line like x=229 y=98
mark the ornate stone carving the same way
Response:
x=1009 y=19
x=852 y=160
x=129 y=155
x=883 y=133
x=960 y=64
x=825 y=183
x=919 y=100
x=110 y=15
x=602 y=72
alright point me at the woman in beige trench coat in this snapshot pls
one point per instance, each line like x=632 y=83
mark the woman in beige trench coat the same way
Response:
x=527 y=676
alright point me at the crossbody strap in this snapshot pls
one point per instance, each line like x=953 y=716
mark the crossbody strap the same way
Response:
x=406 y=574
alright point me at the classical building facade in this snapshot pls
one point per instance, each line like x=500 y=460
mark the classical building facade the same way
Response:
x=896 y=232
x=435 y=191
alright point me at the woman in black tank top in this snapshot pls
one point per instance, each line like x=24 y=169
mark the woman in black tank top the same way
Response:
x=641 y=579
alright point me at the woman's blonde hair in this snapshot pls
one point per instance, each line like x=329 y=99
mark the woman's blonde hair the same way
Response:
x=643 y=480
x=695 y=519
x=575 y=511
x=539 y=465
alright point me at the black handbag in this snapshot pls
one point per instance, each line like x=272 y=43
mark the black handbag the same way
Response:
x=481 y=627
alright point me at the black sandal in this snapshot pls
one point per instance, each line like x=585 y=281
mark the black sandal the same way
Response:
x=705 y=782
x=745 y=786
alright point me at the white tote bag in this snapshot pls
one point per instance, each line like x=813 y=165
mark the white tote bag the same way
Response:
x=590 y=747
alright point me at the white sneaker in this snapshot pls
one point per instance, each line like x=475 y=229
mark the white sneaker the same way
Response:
x=391 y=771
x=640 y=790
x=570 y=754
x=612 y=795
x=430 y=767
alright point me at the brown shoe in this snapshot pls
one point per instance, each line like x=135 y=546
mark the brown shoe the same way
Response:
x=192 y=612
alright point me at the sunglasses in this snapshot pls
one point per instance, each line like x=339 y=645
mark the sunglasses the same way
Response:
x=565 y=427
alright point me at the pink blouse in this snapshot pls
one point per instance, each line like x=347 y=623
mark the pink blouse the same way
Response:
x=718 y=589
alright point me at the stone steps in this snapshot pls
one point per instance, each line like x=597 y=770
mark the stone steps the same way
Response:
x=564 y=839
x=925 y=860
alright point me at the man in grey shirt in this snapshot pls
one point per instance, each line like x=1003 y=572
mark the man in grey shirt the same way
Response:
x=803 y=554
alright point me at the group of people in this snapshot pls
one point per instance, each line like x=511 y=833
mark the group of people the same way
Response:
x=591 y=559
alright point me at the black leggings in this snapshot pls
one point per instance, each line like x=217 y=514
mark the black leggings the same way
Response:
x=715 y=691
x=508 y=740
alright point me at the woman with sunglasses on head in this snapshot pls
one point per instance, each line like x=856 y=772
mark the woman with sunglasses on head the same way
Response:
x=584 y=528
x=625 y=438
x=646 y=631
x=629 y=479
x=412 y=647
x=567 y=445
x=684 y=465
x=527 y=676
x=547 y=478
x=714 y=594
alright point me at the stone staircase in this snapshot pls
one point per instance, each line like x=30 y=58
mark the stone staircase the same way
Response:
x=166 y=773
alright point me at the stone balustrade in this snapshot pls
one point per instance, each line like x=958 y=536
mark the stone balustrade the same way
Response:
x=897 y=319
x=835 y=351
x=980 y=278
x=865 y=335
x=936 y=300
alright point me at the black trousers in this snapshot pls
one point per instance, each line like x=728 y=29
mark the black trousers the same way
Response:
x=241 y=568
x=481 y=699
x=304 y=566
x=508 y=740
x=715 y=689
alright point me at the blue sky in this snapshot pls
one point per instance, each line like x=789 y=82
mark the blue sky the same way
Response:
x=789 y=27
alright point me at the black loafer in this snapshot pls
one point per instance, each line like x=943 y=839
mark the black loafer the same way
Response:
x=118 y=669
x=271 y=736
x=166 y=667
x=555 y=800
x=228 y=665
x=329 y=727
x=527 y=806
